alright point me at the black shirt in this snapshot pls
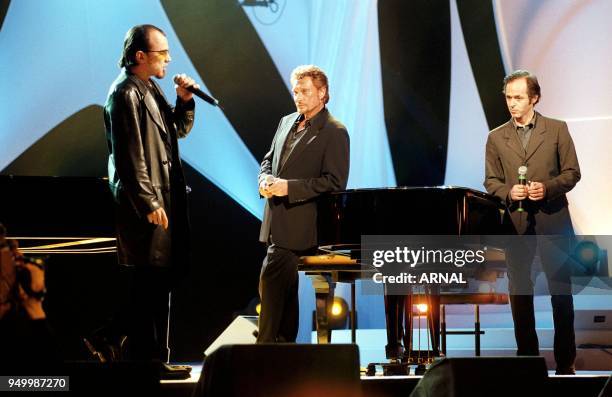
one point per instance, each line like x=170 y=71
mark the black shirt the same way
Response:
x=524 y=132
x=293 y=138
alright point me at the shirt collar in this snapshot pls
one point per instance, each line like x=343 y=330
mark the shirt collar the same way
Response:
x=530 y=125
x=319 y=119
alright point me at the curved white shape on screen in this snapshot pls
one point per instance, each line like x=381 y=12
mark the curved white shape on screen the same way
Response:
x=61 y=56
x=467 y=125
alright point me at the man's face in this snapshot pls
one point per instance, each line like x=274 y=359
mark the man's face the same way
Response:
x=158 y=55
x=518 y=101
x=307 y=97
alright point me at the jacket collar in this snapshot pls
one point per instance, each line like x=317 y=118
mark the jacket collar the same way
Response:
x=536 y=140
x=316 y=124
x=537 y=136
x=148 y=99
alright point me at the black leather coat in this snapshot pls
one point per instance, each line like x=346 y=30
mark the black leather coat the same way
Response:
x=142 y=175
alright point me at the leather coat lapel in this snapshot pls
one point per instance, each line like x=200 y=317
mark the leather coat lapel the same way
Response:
x=150 y=103
x=153 y=110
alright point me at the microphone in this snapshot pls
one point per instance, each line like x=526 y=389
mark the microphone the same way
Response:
x=270 y=179
x=199 y=93
x=522 y=171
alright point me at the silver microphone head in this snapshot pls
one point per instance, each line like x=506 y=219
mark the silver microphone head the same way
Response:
x=270 y=179
x=522 y=170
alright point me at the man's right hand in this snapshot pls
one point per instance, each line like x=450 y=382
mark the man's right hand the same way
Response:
x=519 y=192
x=158 y=217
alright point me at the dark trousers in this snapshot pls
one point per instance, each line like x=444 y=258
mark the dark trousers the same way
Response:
x=278 y=291
x=143 y=317
x=556 y=263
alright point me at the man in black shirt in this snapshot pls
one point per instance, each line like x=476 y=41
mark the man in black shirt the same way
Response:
x=309 y=156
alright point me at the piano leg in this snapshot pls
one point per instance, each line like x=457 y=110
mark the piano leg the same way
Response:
x=324 y=295
x=433 y=307
x=414 y=353
x=408 y=321
x=443 y=329
x=394 y=313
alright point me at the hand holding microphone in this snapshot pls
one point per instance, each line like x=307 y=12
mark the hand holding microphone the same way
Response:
x=519 y=191
x=182 y=82
x=265 y=184
x=271 y=186
x=186 y=88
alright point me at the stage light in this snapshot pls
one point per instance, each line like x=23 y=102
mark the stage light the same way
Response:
x=337 y=315
x=587 y=252
x=337 y=309
x=253 y=308
x=587 y=255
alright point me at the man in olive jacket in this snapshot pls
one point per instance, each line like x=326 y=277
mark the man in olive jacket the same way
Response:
x=538 y=209
x=148 y=185
x=309 y=156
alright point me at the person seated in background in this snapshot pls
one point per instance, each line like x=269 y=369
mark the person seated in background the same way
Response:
x=25 y=335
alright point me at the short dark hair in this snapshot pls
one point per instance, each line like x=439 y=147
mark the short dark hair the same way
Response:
x=533 y=87
x=136 y=39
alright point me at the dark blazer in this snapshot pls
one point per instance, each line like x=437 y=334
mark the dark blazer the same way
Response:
x=139 y=171
x=319 y=163
x=550 y=158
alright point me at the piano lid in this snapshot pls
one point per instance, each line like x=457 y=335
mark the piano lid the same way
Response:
x=425 y=210
x=59 y=214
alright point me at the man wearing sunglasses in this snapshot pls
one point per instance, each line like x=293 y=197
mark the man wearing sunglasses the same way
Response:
x=148 y=186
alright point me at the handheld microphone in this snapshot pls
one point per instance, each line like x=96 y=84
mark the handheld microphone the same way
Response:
x=270 y=179
x=199 y=93
x=522 y=171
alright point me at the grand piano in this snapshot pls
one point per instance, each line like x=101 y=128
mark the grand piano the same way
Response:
x=58 y=215
x=344 y=217
x=70 y=222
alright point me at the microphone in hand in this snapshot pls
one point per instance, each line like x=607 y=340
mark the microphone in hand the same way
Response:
x=197 y=92
x=522 y=177
x=270 y=179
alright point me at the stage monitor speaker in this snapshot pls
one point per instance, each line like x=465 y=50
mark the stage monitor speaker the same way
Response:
x=273 y=370
x=242 y=330
x=484 y=376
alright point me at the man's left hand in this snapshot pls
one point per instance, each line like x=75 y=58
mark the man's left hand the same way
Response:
x=279 y=187
x=181 y=82
x=537 y=191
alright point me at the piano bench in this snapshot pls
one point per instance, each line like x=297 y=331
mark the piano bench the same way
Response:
x=331 y=259
x=475 y=299
x=325 y=271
